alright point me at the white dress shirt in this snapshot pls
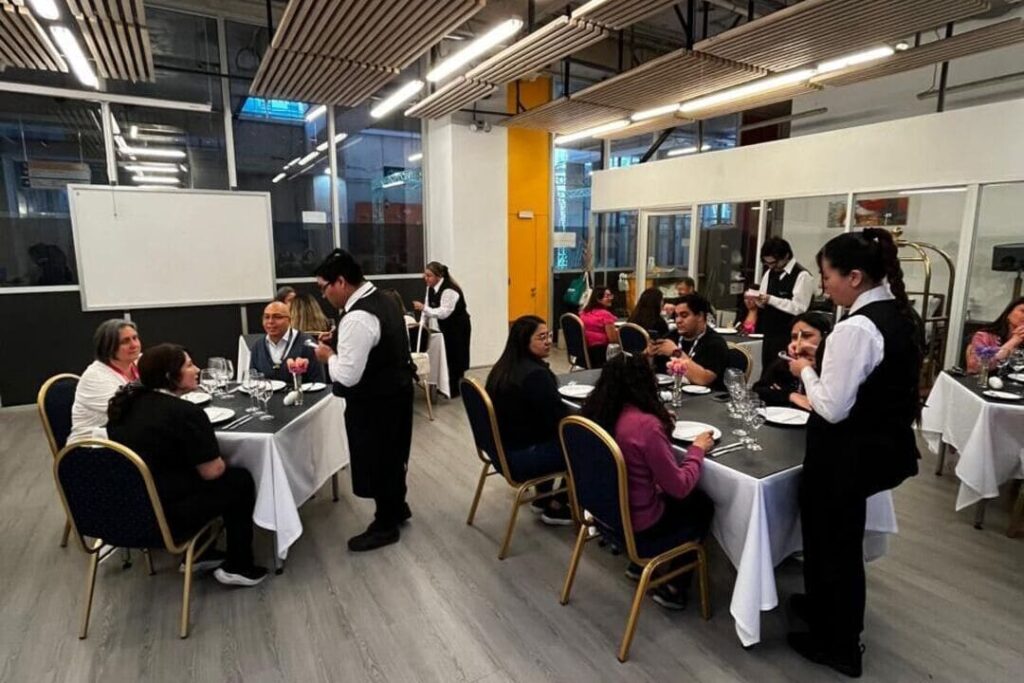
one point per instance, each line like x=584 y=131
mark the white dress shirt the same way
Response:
x=278 y=351
x=357 y=334
x=854 y=349
x=449 y=298
x=96 y=387
x=803 y=291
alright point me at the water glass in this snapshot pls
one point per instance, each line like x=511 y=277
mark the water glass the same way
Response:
x=266 y=390
x=249 y=382
x=755 y=419
x=208 y=380
x=219 y=368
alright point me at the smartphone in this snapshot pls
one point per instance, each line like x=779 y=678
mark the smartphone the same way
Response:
x=784 y=356
x=310 y=343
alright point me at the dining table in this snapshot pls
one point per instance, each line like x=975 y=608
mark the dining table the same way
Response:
x=757 y=517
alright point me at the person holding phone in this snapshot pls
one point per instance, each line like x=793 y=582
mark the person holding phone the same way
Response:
x=786 y=291
x=777 y=386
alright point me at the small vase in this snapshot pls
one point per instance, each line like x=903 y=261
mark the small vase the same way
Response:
x=677 y=391
x=983 y=375
x=297 y=383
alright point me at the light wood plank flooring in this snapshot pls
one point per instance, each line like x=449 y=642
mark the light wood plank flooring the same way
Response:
x=946 y=604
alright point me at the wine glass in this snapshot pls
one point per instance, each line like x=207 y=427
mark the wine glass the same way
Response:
x=741 y=406
x=755 y=419
x=208 y=380
x=250 y=380
x=230 y=372
x=219 y=369
x=1017 y=360
x=266 y=390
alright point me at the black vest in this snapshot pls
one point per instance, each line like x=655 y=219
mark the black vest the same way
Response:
x=770 y=320
x=389 y=368
x=876 y=440
x=459 y=319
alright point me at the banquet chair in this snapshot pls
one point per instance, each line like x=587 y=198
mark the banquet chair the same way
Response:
x=484 y=424
x=633 y=338
x=1017 y=514
x=598 y=484
x=739 y=358
x=420 y=343
x=575 y=342
x=110 y=497
x=54 y=401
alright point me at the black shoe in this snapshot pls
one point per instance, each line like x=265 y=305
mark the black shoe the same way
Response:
x=799 y=607
x=669 y=598
x=633 y=572
x=209 y=560
x=248 y=576
x=373 y=538
x=845 y=660
x=560 y=516
x=406 y=514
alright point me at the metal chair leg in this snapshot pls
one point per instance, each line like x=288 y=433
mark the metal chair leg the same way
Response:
x=942 y=458
x=90 y=588
x=149 y=561
x=476 y=497
x=979 y=513
x=190 y=556
x=426 y=394
x=334 y=487
x=67 y=532
x=1018 y=512
x=511 y=523
x=574 y=563
x=634 y=612
x=705 y=584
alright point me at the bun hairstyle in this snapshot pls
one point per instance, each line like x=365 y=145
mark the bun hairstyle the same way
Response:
x=159 y=368
x=441 y=270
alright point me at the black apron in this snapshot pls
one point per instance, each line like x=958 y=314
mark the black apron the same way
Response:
x=774 y=324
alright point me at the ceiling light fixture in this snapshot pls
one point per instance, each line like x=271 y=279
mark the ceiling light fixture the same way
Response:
x=393 y=183
x=653 y=113
x=79 y=64
x=740 y=92
x=133 y=132
x=337 y=138
x=679 y=151
x=590 y=132
x=292 y=162
x=308 y=158
x=854 y=59
x=278 y=178
x=416 y=157
x=316 y=112
x=902 y=46
x=47 y=9
x=502 y=31
x=139 y=168
x=396 y=98
x=157 y=152
x=155 y=180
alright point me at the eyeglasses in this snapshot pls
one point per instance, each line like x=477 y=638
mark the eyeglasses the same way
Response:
x=277 y=316
x=546 y=336
x=769 y=264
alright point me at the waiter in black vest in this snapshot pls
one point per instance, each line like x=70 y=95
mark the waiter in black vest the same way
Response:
x=446 y=303
x=786 y=291
x=860 y=437
x=368 y=361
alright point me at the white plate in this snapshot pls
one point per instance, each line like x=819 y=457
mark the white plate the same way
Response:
x=725 y=330
x=314 y=386
x=688 y=431
x=791 y=417
x=218 y=415
x=755 y=335
x=1003 y=395
x=696 y=389
x=663 y=379
x=1016 y=377
x=197 y=397
x=275 y=384
x=576 y=390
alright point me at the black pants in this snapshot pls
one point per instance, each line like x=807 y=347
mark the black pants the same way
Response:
x=232 y=497
x=686 y=519
x=536 y=461
x=379 y=438
x=598 y=356
x=832 y=518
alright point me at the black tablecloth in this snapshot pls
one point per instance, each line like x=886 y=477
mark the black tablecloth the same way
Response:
x=283 y=414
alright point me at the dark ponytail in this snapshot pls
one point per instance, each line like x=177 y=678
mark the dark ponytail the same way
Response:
x=159 y=368
x=441 y=270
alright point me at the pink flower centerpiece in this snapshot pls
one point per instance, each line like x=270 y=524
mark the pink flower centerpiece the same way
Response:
x=676 y=368
x=297 y=367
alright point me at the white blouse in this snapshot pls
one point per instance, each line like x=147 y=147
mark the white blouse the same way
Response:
x=96 y=387
x=449 y=299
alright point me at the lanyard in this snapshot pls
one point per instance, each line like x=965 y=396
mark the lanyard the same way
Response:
x=693 y=349
x=292 y=335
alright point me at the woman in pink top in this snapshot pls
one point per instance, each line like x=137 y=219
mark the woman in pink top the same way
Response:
x=662 y=485
x=999 y=340
x=599 y=325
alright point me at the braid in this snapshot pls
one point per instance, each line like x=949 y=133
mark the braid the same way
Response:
x=122 y=401
x=894 y=276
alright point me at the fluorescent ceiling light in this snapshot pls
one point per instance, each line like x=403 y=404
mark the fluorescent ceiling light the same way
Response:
x=653 y=113
x=308 y=158
x=396 y=98
x=393 y=183
x=79 y=64
x=854 y=59
x=505 y=29
x=416 y=157
x=316 y=112
x=155 y=180
x=47 y=9
x=679 y=151
x=740 y=92
x=278 y=178
x=590 y=132
x=337 y=138
x=139 y=168
x=158 y=152
x=934 y=190
x=327 y=171
x=292 y=162
x=133 y=132
x=588 y=8
x=902 y=45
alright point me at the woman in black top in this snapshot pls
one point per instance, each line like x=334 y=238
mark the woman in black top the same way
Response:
x=177 y=443
x=524 y=392
x=647 y=313
x=777 y=386
x=446 y=303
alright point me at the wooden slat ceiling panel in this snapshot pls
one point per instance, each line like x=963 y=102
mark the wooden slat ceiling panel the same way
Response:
x=116 y=36
x=291 y=75
x=24 y=43
x=674 y=77
x=990 y=37
x=650 y=126
x=454 y=95
x=560 y=37
x=813 y=30
x=565 y=115
x=780 y=95
x=620 y=14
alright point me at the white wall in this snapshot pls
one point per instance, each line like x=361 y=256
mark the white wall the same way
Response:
x=467 y=218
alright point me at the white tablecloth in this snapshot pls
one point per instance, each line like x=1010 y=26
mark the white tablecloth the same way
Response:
x=989 y=437
x=438 y=364
x=291 y=465
x=757 y=523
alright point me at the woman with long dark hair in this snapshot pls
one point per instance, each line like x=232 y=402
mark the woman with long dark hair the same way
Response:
x=860 y=437
x=999 y=340
x=777 y=386
x=663 y=494
x=647 y=313
x=176 y=440
x=599 y=324
x=526 y=401
x=446 y=303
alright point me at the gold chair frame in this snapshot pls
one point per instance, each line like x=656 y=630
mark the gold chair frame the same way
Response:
x=191 y=548
x=488 y=470
x=650 y=564
x=634 y=326
x=750 y=360
x=576 y=320
x=48 y=430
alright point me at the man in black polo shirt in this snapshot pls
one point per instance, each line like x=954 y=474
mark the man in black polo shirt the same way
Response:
x=368 y=361
x=706 y=349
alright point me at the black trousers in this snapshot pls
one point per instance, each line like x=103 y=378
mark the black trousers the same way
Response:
x=232 y=497
x=457 y=335
x=832 y=518
x=379 y=438
x=689 y=519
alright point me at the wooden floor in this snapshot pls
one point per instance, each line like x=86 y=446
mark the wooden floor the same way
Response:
x=946 y=604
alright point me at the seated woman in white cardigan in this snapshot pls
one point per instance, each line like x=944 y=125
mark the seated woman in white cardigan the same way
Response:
x=117 y=351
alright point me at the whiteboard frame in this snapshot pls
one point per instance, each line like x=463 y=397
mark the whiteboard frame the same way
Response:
x=122 y=188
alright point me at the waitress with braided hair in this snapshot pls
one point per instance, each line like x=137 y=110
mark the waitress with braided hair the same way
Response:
x=446 y=303
x=860 y=438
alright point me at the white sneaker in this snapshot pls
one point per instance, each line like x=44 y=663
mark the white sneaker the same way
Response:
x=251 y=576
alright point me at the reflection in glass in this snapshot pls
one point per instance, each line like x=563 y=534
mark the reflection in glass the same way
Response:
x=728 y=254
x=573 y=166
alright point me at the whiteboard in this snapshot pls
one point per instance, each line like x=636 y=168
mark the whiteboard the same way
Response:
x=155 y=247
